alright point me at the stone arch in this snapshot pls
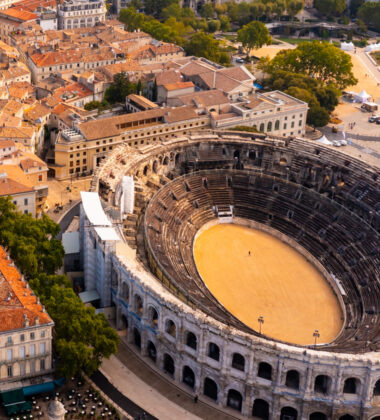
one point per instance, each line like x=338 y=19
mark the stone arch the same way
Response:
x=322 y=384
x=292 y=379
x=137 y=337
x=139 y=305
x=269 y=126
x=165 y=161
x=288 y=413
x=260 y=409
x=234 y=399
x=125 y=291
x=351 y=386
x=318 y=416
x=153 y=316
x=213 y=351
x=177 y=158
x=347 y=417
x=152 y=351
x=188 y=376
x=210 y=389
x=265 y=371
x=170 y=328
x=238 y=362
x=376 y=418
x=376 y=389
x=169 y=366
x=146 y=170
x=155 y=166
x=191 y=340
x=283 y=161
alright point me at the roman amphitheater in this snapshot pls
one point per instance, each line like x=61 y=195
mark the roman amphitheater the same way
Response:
x=245 y=268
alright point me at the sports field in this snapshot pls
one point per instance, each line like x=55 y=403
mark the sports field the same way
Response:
x=255 y=274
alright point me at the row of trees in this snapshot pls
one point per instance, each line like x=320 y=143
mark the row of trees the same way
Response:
x=314 y=72
x=81 y=337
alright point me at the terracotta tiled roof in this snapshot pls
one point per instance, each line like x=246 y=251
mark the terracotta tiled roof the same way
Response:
x=178 y=85
x=14 y=12
x=17 y=301
x=16 y=133
x=38 y=111
x=15 y=181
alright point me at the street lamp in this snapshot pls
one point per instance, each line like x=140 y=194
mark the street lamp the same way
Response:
x=316 y=335
x=261 y=322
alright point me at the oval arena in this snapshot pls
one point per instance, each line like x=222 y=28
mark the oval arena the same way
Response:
x=323 y=204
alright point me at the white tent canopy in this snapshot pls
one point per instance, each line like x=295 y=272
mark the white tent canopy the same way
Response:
x=347 y=46
x=373 y=47
x=324 y=140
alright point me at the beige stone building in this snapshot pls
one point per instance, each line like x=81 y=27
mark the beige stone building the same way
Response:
x=81 y=148
x=25 y=331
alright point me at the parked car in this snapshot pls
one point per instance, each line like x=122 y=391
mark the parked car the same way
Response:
x=378 y=121
x=373 y=119
x=239 y=60
x=336 y=143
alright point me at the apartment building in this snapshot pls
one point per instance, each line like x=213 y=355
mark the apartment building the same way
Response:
x=81 y=148
x=25 y=331
x=14 y=19
x=80 y=13
x=72 y=61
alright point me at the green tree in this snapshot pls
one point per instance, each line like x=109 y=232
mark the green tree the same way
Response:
x=254 y=35
x=330 y=7
x=225 y=25
x=204 y=45
x=293 y=7
x=131 y=19
x=328 y=97
x=174 y=10
x=119 y=89
x=304 y=95
x=207 y=11
x=213 y=26
x=318 y=116
x=319 y=60
x=369 y=13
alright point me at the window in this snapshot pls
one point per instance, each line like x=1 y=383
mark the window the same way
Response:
x=42 y=348
x=10 y=371
x=191 y=340
x=9 y=340
x=238 y=361
x=285 y=125
x=292 y=126
x=25 y=211
x=22 y=368
x=25 y=201
x=9 y=354
x=42 y=334
x=32 y=336
x=39 y=178
x=78 y=154
x=42 y=364
x=22 y=351
x=22 y=337
x=213 y=351
x=32 y=349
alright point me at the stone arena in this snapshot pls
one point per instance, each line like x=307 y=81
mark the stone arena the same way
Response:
x=314 y=203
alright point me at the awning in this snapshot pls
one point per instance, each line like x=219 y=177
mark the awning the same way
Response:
x=38 y=389
x=15 y=396
x=89 y=296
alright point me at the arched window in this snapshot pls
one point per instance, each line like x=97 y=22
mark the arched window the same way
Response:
x=213 y=351
x=234 y=399
x=292 y=379
x=265 y=371
x=288 y=413
x=269 y=127
x=170 y=328
x=238 y=361
x=191 y=340
x=350 y=386
x=210 y=389
x=169 y=364
x=125 y=291
x=322 y=384
x=376 y=389
x=166 y=161
x=152 y=351
x=153 y=317
x=188 y=376
x=262 y=127
x=138 y=305
x=317 y=416
x=260 y=409
x=277 y=125
x=145 y=171
x=137 y=337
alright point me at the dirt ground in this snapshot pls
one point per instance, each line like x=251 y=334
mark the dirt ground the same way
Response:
x=273 y=281
x=59 y=192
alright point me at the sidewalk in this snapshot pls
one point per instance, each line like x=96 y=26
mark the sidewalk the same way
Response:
x=153 y=393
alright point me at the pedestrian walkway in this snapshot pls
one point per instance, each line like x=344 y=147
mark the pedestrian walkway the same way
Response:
x=139 y=383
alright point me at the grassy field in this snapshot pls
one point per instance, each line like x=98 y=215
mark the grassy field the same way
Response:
x=376 y=57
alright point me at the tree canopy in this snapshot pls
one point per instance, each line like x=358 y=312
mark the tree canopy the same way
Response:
x=119 y=89
x=204 y=45
x=369 y=13
x=330 y=7
x=254 y=35
x=81 y=337
x=319 y=60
